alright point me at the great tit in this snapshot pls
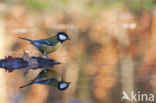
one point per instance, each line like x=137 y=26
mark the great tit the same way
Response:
x=49 y=77
x=50 y=44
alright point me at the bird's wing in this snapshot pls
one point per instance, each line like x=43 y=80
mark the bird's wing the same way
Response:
x=45 y=42
x=46 y=81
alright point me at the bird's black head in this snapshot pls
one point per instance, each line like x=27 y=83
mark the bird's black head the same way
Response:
x=62 y=36
x=63 y=85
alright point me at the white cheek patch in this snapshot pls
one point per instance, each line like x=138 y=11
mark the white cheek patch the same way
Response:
x=62 y=37
x=63 y=85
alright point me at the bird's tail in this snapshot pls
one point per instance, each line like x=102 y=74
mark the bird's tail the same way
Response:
x=25 y=39
x=27 y=85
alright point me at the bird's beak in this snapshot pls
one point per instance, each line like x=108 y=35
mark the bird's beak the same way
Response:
x=68 y=39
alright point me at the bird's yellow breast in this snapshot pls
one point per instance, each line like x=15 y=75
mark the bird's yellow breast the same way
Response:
x=49 y=49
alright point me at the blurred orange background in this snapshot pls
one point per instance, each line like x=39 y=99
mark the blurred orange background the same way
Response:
x=112 y=48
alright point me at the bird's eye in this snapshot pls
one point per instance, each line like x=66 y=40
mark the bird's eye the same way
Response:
x=62 y=37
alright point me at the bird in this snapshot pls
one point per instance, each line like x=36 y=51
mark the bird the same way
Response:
x=49 y=45
x=49 y=77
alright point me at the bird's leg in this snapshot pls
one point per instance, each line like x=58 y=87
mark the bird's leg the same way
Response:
x=46 y=55
x=26 y=70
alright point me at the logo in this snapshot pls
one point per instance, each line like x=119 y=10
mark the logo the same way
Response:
x=137 y=96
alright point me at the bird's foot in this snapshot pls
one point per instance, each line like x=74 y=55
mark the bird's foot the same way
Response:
x=46 y=55
x=26 y=70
